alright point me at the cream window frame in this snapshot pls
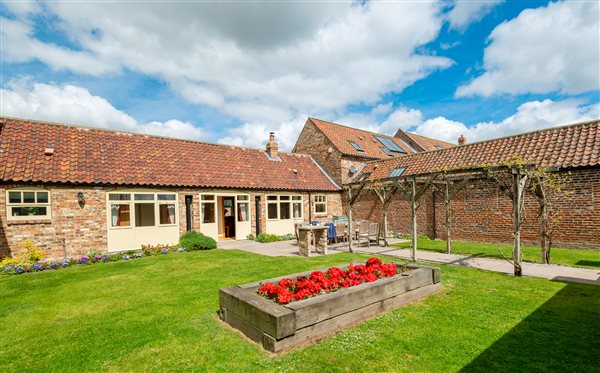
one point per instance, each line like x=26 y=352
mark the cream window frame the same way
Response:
x=212 y=201
x=291 y=199
x=10 y=206
x=132 y=202
x=320 y=199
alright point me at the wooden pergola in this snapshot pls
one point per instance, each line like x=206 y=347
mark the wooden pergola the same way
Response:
x=448 y=182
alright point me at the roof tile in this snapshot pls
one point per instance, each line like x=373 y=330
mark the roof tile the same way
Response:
x=96 y=156
x=576 y=145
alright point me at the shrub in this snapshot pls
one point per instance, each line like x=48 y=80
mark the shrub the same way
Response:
x=193 y=240
x=266 y=237
x=250 y=237
x=32 y=254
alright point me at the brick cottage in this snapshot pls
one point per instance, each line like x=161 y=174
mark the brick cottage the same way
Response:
x=72 y=189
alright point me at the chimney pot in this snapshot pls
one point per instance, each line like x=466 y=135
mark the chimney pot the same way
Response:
x=462 y=140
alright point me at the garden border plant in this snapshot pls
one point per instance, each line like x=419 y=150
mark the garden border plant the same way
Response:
x=32 y=259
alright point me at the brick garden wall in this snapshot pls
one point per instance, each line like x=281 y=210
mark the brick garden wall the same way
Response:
x=482 y=213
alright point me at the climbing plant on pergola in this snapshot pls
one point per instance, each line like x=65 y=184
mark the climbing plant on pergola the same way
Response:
x=510 y=177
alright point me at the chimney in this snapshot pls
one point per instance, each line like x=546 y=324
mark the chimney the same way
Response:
x=272 y=147
x=462 y=140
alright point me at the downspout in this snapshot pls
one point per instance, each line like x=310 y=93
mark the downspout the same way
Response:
x=309 y=207
x=434 y=218
x=257 y=213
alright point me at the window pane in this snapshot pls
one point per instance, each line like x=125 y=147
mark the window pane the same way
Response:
x=208 y=197
x=29 y=211
x=42 y=197
x=243 y=198
x=120 y=216
x=284 y=210
x=166 y=213
x=28 y=197
x=14 y=197
x=320 y=208
x=243 y=212
x=272 y=211
x=284 y=198
x=272 y=198
x=144 y=215
x=166 y=197
x=297 y=210
x=208 y=212
x=119 y=197
x=297 y=198
x=143 y=197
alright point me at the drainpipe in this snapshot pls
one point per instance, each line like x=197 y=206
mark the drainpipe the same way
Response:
x=257 y=214
x=309 y=208
x=434 y=219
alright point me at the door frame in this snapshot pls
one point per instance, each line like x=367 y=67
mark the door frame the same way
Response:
x=218 y=212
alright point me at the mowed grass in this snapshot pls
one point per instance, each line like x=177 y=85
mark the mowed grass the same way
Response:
x=160 y=314
x=566 y=257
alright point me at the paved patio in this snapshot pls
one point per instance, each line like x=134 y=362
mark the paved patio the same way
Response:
x=551 y=272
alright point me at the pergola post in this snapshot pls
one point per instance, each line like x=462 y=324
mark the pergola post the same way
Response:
x=385 y=198
x=413 y=200
x=519 y=181
x=352 y=195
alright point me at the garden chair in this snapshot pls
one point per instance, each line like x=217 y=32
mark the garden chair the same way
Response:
x=363 y=231
x=341 y=232
x=373 y=234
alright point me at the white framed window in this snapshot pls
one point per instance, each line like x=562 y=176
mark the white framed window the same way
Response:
x=284 y=207
x=142 y=209
x=28 y=204
x=320 y=201
x=207 y=208
x=243 y=207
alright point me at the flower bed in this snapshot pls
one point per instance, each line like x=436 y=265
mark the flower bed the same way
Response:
x=318 y=282
x=332 y=299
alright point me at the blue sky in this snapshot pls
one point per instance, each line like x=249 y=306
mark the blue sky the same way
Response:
x=231 y=72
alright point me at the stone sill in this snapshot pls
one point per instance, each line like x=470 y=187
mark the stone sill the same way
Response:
x=29 y=222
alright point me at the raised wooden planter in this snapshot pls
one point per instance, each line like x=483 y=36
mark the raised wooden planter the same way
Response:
x=279 y=327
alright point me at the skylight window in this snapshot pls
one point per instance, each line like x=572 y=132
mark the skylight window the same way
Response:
x=356 y=146
x=390 y=144
x=387 y=152
x=440 y=147
x=396 y=172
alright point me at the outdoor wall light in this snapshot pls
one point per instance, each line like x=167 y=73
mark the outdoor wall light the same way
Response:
x=80 y=199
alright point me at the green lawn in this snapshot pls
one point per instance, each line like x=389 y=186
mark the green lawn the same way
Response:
x=567 y=257
x=160 y=314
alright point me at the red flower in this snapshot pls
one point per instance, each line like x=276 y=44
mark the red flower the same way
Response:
x=302 y=287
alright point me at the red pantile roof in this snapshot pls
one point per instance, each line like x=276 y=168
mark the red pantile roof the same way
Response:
x=576 y=145
x=340 y=136
x=84 y=155
x=428 y=143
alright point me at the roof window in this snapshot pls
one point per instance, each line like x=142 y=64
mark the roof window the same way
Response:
x=356 y=146
x=387 y=152
x=390 y=144
x=396 y=172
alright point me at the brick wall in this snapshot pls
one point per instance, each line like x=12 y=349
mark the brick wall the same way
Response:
x=482 y=213
x=81 y=228
x=85 y=228
x=313 y=142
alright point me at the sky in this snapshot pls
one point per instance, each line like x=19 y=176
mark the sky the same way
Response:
x=232 y=71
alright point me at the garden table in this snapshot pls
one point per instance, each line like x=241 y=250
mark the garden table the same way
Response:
x=316 y=234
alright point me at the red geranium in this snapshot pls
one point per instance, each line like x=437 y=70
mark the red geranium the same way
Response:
x=317 y=282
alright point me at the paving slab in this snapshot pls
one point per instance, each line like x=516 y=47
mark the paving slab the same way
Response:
x=551 y=272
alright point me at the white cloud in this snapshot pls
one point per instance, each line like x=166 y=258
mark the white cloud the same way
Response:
x=403 y=118
x=530 y=116
x=466 y=12
x=257 y=62
x=76 y=105
x=548 y=49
